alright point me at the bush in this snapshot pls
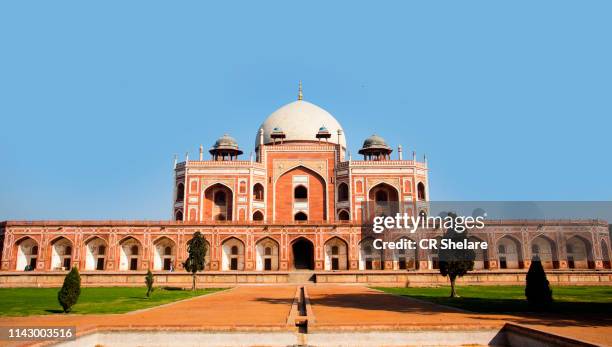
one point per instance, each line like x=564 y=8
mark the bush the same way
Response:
x=149 y=282
x=537 y=290
x=71 y=289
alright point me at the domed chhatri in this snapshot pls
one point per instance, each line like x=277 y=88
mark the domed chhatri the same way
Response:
x=323 y=134
x=300 y=121
x=375 y=148
x=225 y=148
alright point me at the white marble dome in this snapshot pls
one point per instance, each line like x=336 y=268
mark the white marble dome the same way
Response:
x=301 y=120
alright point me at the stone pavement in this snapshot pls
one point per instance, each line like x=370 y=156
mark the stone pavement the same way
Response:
x=335 y=307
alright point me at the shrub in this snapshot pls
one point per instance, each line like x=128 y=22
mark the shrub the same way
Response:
x=149 y=279
x=537 y=290
x=71 y=289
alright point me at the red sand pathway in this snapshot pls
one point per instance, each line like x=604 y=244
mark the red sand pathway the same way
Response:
x=334 y=307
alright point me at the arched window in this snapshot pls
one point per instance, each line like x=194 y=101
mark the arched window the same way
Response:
x=234 y=250
x=300 y=192
x=334 y=250
x=535 y=249
x=421 y=191
x=258 y=192
x=220 y=198
x=180 y=192
x=68 y=250
x=343 y=192
x=134 y=250
x=101 y=250
x=34 y=250
x=178 y=216
x=168 y=250
x=268 y=251
x=343 y=215
x=300 y=216
x=258 y=216
x=502 y=249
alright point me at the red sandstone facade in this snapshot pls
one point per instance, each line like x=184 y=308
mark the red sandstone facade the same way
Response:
x=296 y=204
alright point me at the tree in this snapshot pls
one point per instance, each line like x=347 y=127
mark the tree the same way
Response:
x=149 y=279
x=455 y=262
x=196 y=247
x=537 y=289
x=71 y=289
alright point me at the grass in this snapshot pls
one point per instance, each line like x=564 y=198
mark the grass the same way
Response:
x=511 y=299
x=41 y=301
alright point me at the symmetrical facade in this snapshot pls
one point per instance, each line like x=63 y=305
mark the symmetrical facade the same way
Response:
x=297 y=203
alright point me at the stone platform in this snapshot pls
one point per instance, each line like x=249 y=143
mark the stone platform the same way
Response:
x=369 y=277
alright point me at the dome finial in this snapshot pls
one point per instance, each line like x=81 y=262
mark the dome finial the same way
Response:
x=300 y=96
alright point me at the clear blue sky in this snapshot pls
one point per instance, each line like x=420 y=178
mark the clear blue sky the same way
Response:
x=509 y=100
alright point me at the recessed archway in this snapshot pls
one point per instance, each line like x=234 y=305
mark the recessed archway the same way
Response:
x=164 y=254
x=336 y=254
x=545 y=249
x=299 y=189
x=218 y=203
x=302 y=254
x=61 y=254
x=369 y=257
x=578 y=253
x=383 y=200
x=233 y=255
x=509 y=253
x=267 y=251
x=27 y=254
x=130 y=251
x=405 y=259
x=95 y=254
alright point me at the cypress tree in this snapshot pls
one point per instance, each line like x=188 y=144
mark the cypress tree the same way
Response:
x=71 y=289
x=455 y=262
x=196 y=247
x=537 y=289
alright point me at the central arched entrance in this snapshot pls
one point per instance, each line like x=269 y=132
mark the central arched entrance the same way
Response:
x=303 y=254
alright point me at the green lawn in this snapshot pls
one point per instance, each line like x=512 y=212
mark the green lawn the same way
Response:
x=498 y=299
x=37 y=301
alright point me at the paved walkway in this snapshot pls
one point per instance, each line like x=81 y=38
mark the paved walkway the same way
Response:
x=335 y=307
x=356 y=307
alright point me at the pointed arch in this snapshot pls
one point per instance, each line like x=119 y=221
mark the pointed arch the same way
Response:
x=579 y=253
x=267 y=252
x=336 y=254
x=27 y=251
x=369 y=257
x=130 y=253
x=96 y=251
x=405 y=259
x=61 y=254
x=509 y=253
x=302 y=253
x=217 y=202
x=164 y=254
x=545 y=249
x=232 y=249
x=300 y=189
